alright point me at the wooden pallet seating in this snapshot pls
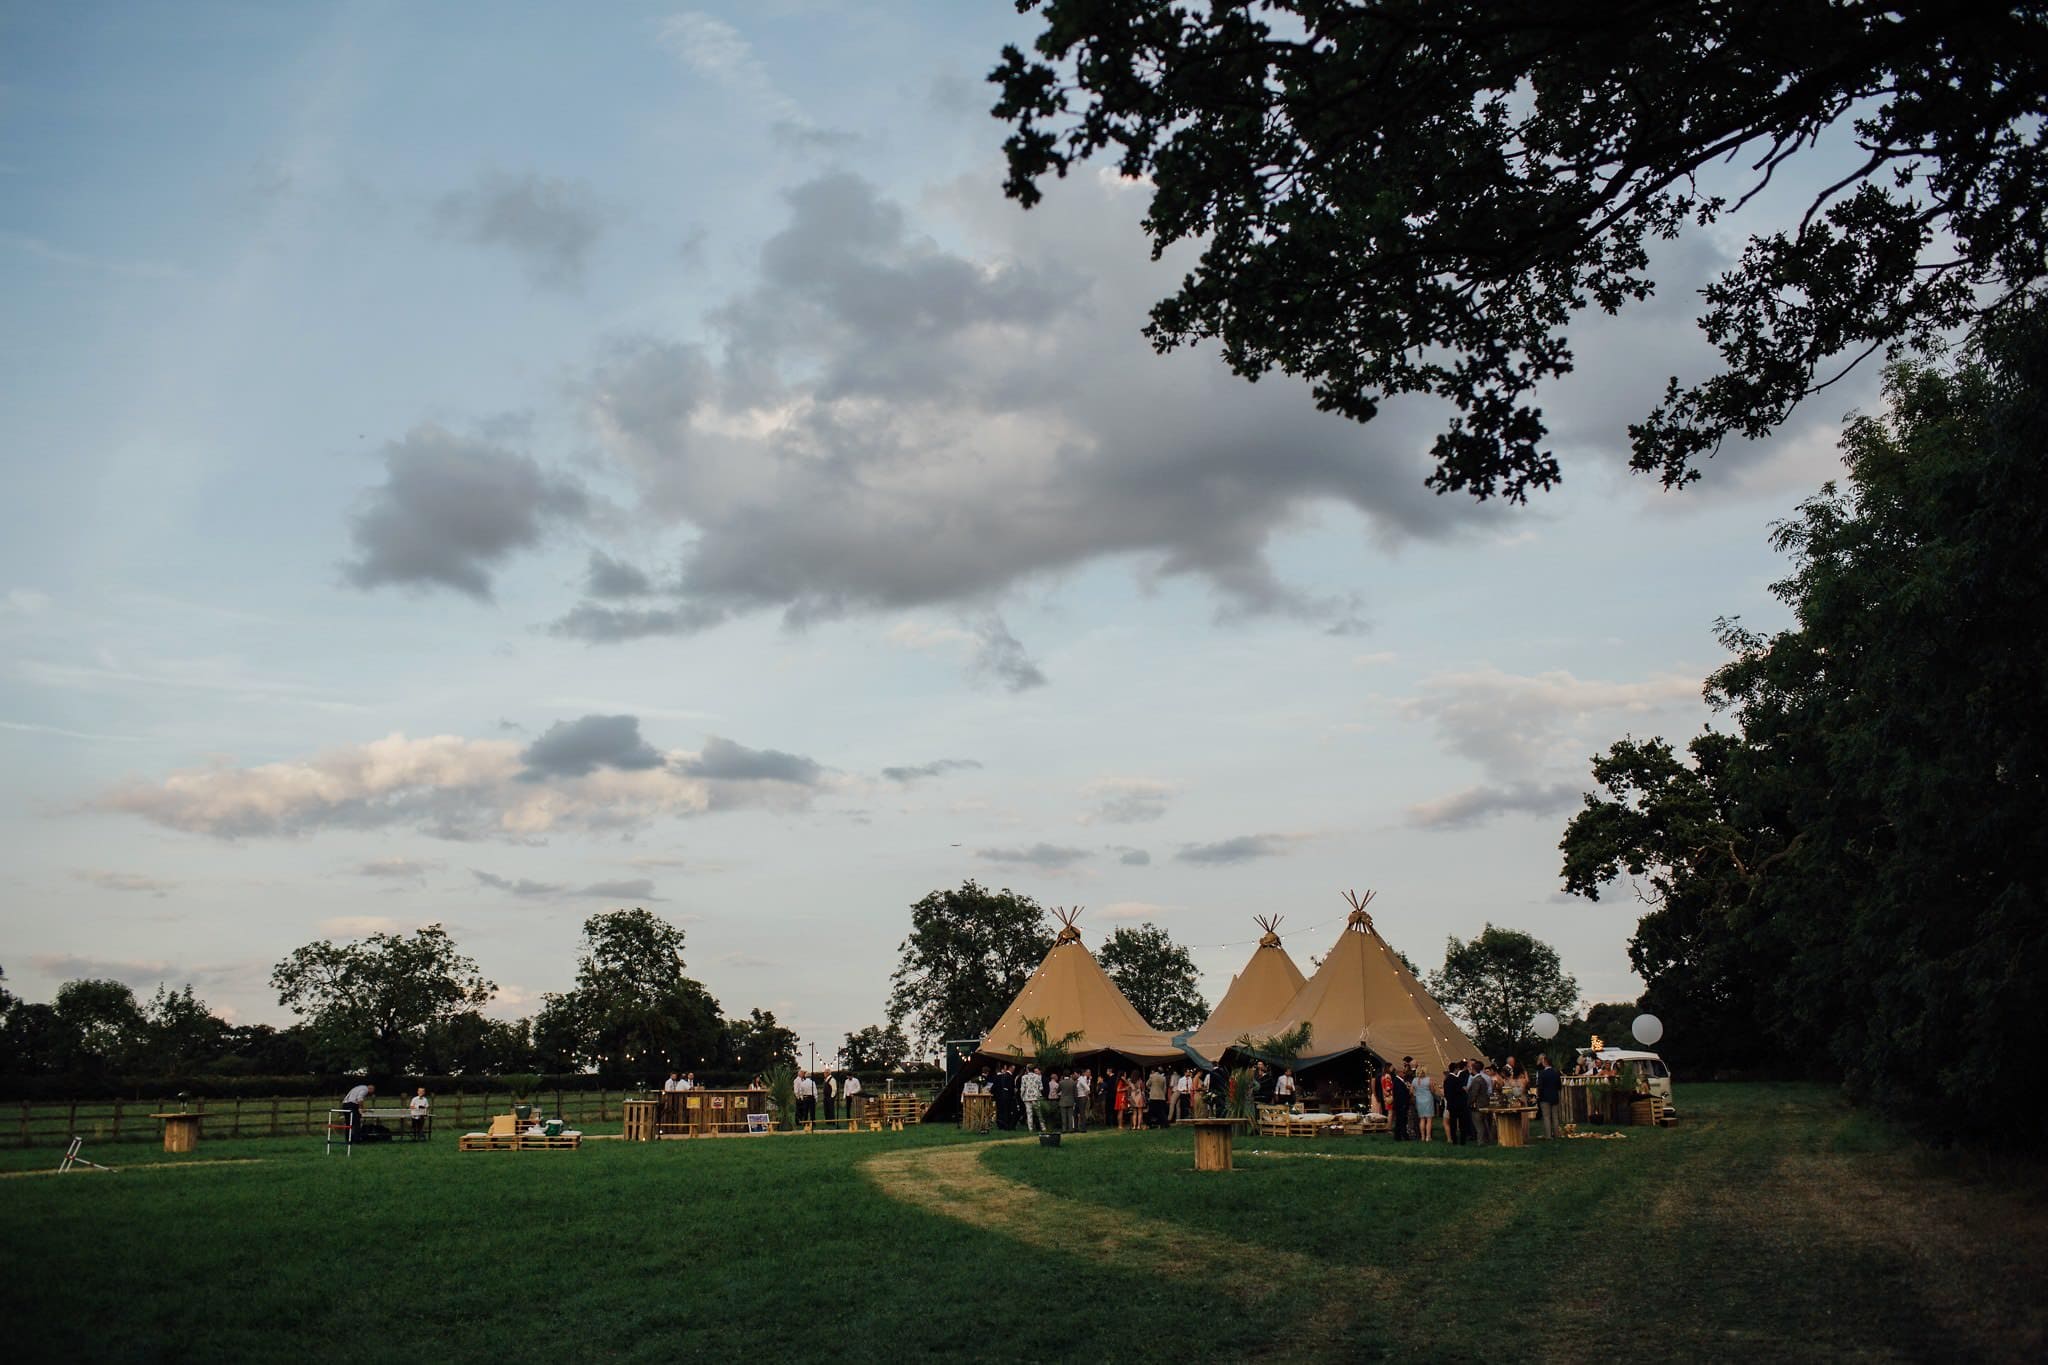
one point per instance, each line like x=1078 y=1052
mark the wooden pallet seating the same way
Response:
x=505 y=1135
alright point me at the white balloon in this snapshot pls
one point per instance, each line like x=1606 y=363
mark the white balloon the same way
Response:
x=1544 y=1025
x=1647 y=1028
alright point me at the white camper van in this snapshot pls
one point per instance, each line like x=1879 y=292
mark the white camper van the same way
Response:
x=1648 y=1063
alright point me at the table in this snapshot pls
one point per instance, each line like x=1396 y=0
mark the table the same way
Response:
x=181 y=1131
x=1511 y=1126
x=977 y=1113
x=1212 y=1142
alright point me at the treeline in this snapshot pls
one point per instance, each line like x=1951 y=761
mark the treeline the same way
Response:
x=1850 y=875
x=397 y=1004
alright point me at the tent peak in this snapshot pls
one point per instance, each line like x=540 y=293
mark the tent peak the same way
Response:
x=1068 y=933
x=1359 y=920
x=1271 y=924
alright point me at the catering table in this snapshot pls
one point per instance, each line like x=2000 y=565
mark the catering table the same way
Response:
x=181 y=1131
x=1511 y=1126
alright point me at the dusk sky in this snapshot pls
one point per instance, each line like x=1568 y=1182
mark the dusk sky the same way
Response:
x=492 y=466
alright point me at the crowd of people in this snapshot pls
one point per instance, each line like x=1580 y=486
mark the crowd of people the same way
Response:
x=1412 y=1099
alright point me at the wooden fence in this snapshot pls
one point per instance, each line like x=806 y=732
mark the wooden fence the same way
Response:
x=28 y=1123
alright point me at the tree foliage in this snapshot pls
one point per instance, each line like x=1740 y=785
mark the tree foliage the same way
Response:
x=372 y=1003
x=633 y=1011
x=1156 y=975
x=758 y=1044
x=1496 y=983
x=1417 y=196
x=878 y=1047
x=969 y=952
x=1860 y=872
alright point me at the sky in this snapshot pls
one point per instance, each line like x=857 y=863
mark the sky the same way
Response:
x=488 y=473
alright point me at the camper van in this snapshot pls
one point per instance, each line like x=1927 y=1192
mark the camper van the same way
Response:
x=1648 y=1063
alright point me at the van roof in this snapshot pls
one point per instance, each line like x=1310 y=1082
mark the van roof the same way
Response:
x=1621 y=1054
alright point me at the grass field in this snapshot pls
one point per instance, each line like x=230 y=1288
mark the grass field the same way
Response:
x=1773 y=1223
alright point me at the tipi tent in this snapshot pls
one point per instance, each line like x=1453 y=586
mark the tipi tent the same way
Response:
x=1072 y=993
x=1363 y=999
x=1262 y=990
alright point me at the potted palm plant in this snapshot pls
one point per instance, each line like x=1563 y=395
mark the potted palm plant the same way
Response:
x=1051 y=1054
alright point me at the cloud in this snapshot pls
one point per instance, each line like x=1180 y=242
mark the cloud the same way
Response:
x=936 y=768
x=612 y=579
x=125 y=881
x=396 y=867
x=1476 y=805
x=549 y=225
x=575 y=748
x=449 y=787
x=879 y=423
x=1132 y=857
x=361 y=926
x=452 y=509
x=524 y=886
x=1001 y=657
x=1126 y=800
x=142 y=974
x=1513 y=725
x=1047 y=856
x=1133 y=910
x=726 y=761
x=1240 y=849
x=635 y=889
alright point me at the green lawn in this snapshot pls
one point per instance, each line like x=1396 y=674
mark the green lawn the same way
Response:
x=1773 y=1222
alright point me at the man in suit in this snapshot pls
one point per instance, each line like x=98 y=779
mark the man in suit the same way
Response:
x=1069 y=1096
x=1403 y=1099
x=1549 y=1093
x=1030 y=1091
x=828 y=1086
x=1457 y=1104
x=1478 y=1095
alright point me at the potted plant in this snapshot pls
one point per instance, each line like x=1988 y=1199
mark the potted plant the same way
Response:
x=1051 y=1054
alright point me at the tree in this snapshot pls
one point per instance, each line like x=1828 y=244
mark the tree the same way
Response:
x=1156 y=975
x=1864 y=862
x=1417 y=196
x=968 y=954
x=875 y=1048
x=757 y=1044
x=371 y=1003
x=1498 y=982
x=100 y=1028
x=633 y=1011
x=180 y=1035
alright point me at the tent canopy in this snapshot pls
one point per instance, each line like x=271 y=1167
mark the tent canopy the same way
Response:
x=1362 y=998
x=1269 y=981
x=1072 y=993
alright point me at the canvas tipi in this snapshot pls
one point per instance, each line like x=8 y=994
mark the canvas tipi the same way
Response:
x=1269 y=981
x=1072 y=993
x=1363 y=999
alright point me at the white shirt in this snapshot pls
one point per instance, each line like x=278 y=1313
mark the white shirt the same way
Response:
x=1285 y=1086
x=357 y=1095
x=686 y=1084
x=672 y=1083
x=1180 y=1085
x=1082 y=1085
x=852 y=1086
x=418 y=1105
x=806 y=1088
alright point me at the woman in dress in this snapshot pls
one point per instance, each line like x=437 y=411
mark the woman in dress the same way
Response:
x=1425 y=1100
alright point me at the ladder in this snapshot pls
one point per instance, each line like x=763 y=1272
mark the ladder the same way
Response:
x=72 y=1159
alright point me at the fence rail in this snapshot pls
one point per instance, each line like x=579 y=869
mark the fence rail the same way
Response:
x=53 y=1123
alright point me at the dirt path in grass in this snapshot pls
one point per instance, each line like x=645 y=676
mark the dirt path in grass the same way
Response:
x=953 y=1182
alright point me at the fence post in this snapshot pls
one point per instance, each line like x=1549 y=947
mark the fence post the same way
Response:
x=24 y=1123
x=115 y=1136
x=558 y=1099
x=235 y=1123
x=273 y=1115
x=71 y=1120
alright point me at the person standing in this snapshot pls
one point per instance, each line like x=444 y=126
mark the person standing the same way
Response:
x=1032 y=1090
x=1549 y=1093
x=1424 y=1094
x=1084 y=1091
x=1283 y=1089
x=828 y=1084
x=1399 y=1101
x=1155 y=1098
x=1478 y=1100
x=806 y=1097
x=417 y=1107
x=850 y=1092
x=352 y=1103
x=673 y=1083
x=1457 y=1105
x=1067 y=1093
